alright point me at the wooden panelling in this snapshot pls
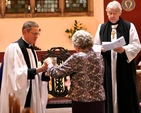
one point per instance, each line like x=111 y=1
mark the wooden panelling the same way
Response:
x=1 y=56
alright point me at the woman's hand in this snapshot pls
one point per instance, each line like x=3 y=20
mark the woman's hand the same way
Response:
x=48 y=61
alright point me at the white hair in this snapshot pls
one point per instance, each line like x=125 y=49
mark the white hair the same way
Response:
x=82 y=39
x=114 y=4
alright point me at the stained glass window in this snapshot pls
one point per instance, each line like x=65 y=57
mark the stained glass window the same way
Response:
x=47 y=6
x=17 y=6
x=76 y=5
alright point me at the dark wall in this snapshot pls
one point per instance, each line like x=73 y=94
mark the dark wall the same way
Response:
x=133 y=16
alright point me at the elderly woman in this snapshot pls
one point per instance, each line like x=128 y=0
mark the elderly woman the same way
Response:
x=87 y=68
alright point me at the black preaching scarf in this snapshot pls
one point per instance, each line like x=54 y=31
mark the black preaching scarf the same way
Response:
x=23 y=45
x=125 y=73
x=1 y=72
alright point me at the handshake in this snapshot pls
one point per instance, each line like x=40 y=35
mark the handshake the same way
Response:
x=48 y=61
x=44 y=67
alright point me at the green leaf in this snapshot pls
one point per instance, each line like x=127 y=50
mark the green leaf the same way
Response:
x=67 y=31
x=75 y=21
x=76 y=26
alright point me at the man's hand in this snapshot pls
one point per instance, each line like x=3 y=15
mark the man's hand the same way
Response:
x=41 y=68
x=103 y=50
x=119 y=49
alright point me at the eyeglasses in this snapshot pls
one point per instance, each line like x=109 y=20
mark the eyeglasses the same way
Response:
x=35 y=34
x=112 y=13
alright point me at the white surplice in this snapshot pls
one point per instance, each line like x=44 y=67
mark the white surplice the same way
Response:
x=131 y=50
x=15 y=80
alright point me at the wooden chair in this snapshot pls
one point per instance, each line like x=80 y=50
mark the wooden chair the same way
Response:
x=27 y=110
x=11 y=96
x=56 y=87
x=14 y=103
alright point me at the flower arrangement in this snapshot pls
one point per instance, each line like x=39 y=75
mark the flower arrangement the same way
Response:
x=77 y=26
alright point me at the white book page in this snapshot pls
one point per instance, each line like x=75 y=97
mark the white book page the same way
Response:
x=111 y=45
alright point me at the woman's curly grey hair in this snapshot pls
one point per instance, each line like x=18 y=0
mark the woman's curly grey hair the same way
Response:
x=82 y=39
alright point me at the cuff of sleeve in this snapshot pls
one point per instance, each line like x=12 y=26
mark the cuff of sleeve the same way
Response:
x=124 y=54
x=45 y=78
x=128 y=54
x=31 y=73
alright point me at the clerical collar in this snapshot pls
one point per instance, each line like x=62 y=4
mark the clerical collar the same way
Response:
x=114 y=26
x=115 y=23
x=26 y=44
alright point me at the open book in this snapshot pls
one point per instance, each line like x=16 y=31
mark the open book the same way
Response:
x=114 y=44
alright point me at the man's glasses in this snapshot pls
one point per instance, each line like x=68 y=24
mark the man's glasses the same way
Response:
x=112 y=13
x=35 y=34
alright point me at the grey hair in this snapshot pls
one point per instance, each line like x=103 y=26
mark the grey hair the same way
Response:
x=29 y=24
x=114 y=4
x=82 y=39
